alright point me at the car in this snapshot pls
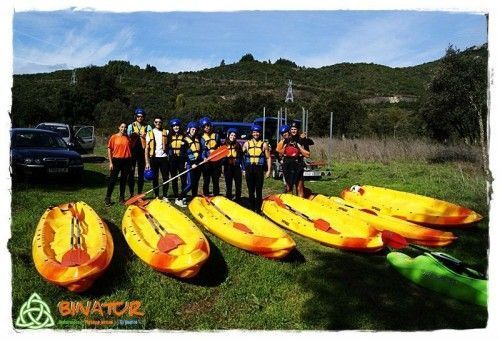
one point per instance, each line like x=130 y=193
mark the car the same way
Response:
x=37 y=152
x=81 y=138
x=242 y=128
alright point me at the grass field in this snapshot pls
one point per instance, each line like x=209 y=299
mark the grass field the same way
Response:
x=316 y=287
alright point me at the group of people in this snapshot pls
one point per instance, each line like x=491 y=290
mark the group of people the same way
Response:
x=169 y=151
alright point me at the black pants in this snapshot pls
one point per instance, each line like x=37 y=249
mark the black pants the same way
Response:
x=211 y=171
x=232 y=172
x=139 y=161
x=192 y=181
x=177 y=165
x=255 y=181
x=160 y=165
x=123 y=166
x=293 y=170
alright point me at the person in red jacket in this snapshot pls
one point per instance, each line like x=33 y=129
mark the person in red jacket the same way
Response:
x=120 y=161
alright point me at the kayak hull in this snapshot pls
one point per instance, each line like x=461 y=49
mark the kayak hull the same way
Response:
x=241 y=228
x=414 y=233
x=52 y=241
x=183 y=260
x=430 y=273
x=362 y=239
x=411 y=207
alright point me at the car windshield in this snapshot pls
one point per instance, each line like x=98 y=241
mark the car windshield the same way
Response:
x=61 y=130
x=37 y=139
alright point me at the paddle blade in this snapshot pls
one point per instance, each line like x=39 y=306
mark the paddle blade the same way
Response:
x=169 y=242
x=276 y=199
x=218 y=154
x=242 y=227
x=394 y=240
x=75 y=257
x=134 y=199
x=324 y=226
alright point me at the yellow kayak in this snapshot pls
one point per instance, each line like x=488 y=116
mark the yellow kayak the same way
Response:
x=321 y=224
x=72 y=227
x=241 y=227
x=414 y=233
x=146 y=228
x=411 y=207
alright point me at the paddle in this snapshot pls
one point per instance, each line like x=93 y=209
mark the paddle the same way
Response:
x=216 y=155
x=237 y=225
x=320 y=224
x=397 y=241
x=76 y=255
x=167 y=241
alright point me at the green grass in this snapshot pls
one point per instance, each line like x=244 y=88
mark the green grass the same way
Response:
x=316 y=287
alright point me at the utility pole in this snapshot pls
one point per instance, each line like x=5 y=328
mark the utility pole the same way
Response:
x=73 y=78
x=264 y=124
x=331 y=125
x=289 y=93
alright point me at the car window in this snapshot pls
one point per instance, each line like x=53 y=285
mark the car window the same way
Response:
x=85 y=132
x=34 y=139
x=61 y=130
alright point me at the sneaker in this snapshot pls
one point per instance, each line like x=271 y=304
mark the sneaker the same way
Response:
x=179 y=203
x=165 y=199
x=107 y=202
x=184 y=203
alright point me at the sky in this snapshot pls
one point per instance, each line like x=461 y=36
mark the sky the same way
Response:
x=44 y=41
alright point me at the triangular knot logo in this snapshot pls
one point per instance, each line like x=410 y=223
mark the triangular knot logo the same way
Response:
x=34 y=314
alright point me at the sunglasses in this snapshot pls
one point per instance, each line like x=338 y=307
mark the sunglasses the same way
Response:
x=157 y=122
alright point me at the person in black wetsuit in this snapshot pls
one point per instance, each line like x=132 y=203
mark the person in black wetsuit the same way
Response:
x=177 y=159
x=233 y=165
x=295 y=149
x=211 y=171
x=137 y=132
x=257 y=157
x=192 y=149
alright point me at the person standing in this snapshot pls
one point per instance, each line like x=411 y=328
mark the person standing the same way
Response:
x=295 y=149
x=177 y=159
x=156 y=155
x=284 y=132
x=192 y=149
x=212 y=170
x=257 y=157
x=137 y=132
x=120 y=162
x=233 y=165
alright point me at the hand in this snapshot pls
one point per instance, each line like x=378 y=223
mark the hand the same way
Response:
x=194 y=166
x=303 y=135
x=268 y=174
x=148 y=166
x=243 y=172
x=110 y=165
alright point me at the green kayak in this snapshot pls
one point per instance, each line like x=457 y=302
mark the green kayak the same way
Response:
x=427 y=271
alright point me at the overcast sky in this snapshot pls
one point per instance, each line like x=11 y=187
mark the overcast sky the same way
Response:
x=185 y=41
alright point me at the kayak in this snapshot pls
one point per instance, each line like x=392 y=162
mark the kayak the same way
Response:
x=321 y=224
x=147 y=228
x=427 y=271
x=412 y=232
x=241 y=227
x=55 y=240
x=411 y=207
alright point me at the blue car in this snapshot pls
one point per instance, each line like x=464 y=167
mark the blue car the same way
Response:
x=36 y=152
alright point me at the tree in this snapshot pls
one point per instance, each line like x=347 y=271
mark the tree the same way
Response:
x=222 y=63
x=285 y=62
x=151 y=69
x=456 y=104
x=180 y=102
x=247 y=58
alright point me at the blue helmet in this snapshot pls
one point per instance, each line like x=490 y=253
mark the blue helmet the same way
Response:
x=192 y=124
x=148 y=174
x=284 y=129
x=205 y=121
x=139 y=111
x=232 y=130
x=256 y=128
x=175 y=122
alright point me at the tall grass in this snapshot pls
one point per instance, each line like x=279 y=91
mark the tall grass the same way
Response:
x=386 y=150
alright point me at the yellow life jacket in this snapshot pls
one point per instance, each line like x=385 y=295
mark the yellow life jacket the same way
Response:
x=193 y=147
x=175 y=144
x=210 y=141
x=138 y=130
x=255 y=154
x=233 y=151
x=152 y=142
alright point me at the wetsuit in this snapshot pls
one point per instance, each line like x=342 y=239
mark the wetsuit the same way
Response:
x=137 y=134
x=255 y=162
x=177 y=160
x=293 y=160
x=158 y=158
x=211 y=170
x=192 y=149
x=233 y=165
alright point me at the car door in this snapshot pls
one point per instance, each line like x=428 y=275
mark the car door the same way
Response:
x=85 y=138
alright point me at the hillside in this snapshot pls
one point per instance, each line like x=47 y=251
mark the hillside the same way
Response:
x=239 y=91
